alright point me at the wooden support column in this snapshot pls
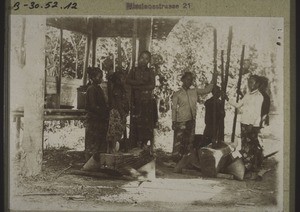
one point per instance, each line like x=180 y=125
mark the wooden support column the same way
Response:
x=31 y=162
x=215 y=127
x=119 y=53
x=59 y=70
x=93 y=43
x=86 y=59
x=134 y=38
x=145 y=29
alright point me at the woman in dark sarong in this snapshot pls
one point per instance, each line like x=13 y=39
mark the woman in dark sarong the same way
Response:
x=142 y=82
x=118 y=112
x=97 y=115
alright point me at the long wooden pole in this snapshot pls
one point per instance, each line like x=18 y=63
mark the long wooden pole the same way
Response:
x=60 y=69
x=237 y=91
x=215 y=128
x=86 y=59
x=119 y=53
x=228 y=57
x=134 y=43
x=94 y=42
x=132 y=131
x=222 y=74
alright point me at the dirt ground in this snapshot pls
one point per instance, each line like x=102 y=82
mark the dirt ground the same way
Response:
x=57 y=189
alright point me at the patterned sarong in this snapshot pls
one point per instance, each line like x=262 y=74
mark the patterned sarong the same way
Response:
x=183 y=137
x=251 y=150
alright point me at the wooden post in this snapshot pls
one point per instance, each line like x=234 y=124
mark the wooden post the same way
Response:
x=223 y=88
x=59 y=71
x=134 y=38
x=228 y=56
x=222 y=73
x=94 y=42
x=86 y=59
x=237 y=91
x=132 y=130
x=31 y=162
x=145 y=27
x=215 y=128
x=119 y=53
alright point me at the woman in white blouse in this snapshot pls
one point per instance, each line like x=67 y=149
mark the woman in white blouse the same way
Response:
x=250 y=106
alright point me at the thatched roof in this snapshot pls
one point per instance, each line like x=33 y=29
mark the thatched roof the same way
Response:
x=114 y=26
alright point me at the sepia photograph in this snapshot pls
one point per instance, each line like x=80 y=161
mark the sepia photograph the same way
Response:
x=146 y=113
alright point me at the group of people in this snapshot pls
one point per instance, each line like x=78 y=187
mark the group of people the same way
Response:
x=106 y=123
x=254 y=107
x=106 y=119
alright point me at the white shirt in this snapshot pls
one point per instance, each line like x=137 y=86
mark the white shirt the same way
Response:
x=251 y=108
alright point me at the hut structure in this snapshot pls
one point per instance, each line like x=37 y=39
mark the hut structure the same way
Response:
x=142 y=30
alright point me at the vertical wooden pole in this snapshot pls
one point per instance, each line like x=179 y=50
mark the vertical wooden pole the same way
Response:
x=31 y=162
x=215 y=127
x=132 y=133
x=237 y=91
x=223 y=88
x=134 y=38
x=228 y=56
x=94 y=41
x=144 y=35
x=60 y=69
x=222 y=73
x=86 y=59
x=119 y=53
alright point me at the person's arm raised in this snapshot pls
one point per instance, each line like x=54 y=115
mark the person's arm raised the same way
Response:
x=209 y=87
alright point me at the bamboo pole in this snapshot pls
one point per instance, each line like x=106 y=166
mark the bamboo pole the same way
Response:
x=237 y=91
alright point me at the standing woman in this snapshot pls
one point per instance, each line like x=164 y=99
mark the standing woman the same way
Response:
x=251 y=105
x=142 y=82
x=97 y=115
x=184 y=111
